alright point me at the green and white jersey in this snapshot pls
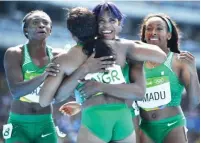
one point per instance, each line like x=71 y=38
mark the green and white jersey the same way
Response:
x=163 y=87
x=115 y=75
x=30 y=70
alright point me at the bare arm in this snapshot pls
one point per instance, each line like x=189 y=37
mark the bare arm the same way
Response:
x=49 y=88
x=68 y=85
x=190 y=79
x=137 y=77
x=91 y=65
x=12 y=64
x=140 y=51
x=132 y=91
x=68 y=62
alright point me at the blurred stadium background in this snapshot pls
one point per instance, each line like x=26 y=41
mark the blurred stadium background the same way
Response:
x=185 y=13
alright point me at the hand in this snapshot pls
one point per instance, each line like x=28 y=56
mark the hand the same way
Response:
x=52 y=69
x=189 y=59
x=93 y=65
x=89 y=88
x=70 y=108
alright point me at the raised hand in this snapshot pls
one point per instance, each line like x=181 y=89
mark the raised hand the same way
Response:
x=189 y=59
x=89 y=88
x=93 y=65
x=52 y=69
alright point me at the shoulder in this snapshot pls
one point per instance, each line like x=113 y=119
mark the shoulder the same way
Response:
x=74 y=52
x=57 y=51
x=71 y=59
x=14 y=52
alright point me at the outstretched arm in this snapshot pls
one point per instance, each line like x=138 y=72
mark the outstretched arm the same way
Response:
x=140 y=51
x=68 y=63
x=91 y=65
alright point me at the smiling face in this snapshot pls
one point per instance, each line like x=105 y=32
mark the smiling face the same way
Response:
x=156 y=32
x=39 y=26
x=108 y=25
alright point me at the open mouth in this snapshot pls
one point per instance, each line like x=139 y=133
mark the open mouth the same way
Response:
x=107 y=34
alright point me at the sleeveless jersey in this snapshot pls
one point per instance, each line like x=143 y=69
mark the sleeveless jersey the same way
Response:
x=163 y=87
x=30 y=70
x=115 y=75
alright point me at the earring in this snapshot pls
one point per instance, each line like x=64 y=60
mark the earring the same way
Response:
x=26 y=33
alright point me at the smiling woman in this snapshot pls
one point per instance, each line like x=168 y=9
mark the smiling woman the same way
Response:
x=162 y=119
x=89 y=64
x=110 y=20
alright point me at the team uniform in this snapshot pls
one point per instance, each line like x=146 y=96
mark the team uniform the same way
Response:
x=163 y=90
x=94 y=117
x=30 y=128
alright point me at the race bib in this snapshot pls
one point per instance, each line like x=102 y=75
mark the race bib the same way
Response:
x=33 y=96
x=157 y=93
x=113 y=76
x=7 y=131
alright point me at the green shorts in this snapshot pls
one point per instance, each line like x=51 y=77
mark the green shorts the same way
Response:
x=108 y=122
x=158 y=130
x=31 y=129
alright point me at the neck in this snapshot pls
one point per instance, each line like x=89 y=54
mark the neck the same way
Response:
x=37 y=48
x=153 y=64
x=165 y=49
